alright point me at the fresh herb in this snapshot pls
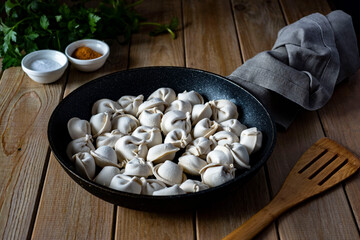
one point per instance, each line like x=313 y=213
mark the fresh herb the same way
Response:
x=30 y=25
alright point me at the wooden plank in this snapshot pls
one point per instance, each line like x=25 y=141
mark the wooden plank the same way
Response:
x=329 y=214
x=149 y=51
x=63 y=201
x=340 y=118
x=25 y=108
x=214 y=47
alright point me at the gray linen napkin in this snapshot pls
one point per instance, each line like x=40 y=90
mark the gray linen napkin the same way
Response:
x=307 y=60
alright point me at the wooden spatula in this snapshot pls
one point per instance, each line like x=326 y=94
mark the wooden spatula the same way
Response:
x=323 y=165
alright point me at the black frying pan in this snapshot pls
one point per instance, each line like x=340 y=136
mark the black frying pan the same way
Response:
x=145 y=81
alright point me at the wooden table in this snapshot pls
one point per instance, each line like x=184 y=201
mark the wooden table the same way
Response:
x=39 y=201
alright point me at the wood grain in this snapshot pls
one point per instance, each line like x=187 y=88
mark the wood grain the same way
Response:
x=340 y=118
x=25 y=108
x=149 y=51
x=82 y=215
x=220 y=53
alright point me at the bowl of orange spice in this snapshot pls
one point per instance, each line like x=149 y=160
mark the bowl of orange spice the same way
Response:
x=87 y=55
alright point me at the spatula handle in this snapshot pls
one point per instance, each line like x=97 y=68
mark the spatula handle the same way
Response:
x=258 y=222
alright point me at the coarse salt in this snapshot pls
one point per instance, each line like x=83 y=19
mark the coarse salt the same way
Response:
x=44 y=65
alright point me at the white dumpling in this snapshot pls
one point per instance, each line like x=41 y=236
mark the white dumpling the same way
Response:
x=223 y=110
x=85 y=165
x=129 y=147
x=151 y=185
x=83 y=144
x=125 y=183
x=154 y=102
x=216 y=174
x=109 y=138
x=232 y=125
x=150 y=135
x=175 y=120
x=191 y=97
x=168 y=191
x=151 y=117
x=224 y=137
x=178 y=137
x=130 y=104
x=162 y=152
x=240 y=155
x=100 y=123
x=169 y=173
x=168 y=95
x=126 y=123
x=221 y=155
x=179 y=105
x=205 y=128
x=105 y=156
x=191 y=164
x=191 y=186
x=200 y=147
x=78 y=128
x=251 y=138
x=199 y=112
x=107 y=105
x=106 y=174
x=138 y=167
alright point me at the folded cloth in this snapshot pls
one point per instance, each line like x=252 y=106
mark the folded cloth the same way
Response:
x=307 y=60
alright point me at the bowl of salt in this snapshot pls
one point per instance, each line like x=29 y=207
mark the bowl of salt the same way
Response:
x=44 y=66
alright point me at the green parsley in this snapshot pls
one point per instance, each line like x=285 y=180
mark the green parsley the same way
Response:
x=30 y=25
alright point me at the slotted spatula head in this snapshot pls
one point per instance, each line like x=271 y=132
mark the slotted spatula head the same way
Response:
x=322 y=166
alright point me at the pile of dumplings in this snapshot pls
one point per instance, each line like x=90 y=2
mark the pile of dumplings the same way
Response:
x=167 y=144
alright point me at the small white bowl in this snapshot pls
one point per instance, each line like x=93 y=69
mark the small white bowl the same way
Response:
x=91 y=64
x=44 y=66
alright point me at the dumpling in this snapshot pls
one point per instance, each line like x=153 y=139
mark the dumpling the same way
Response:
x=154 y=102
x=223 y=110
x=168 y=191
x=108 y=138
x=107 y=105
x=105 y=156
x=83 y=144
x=151 y=117
x=130 y=104
x=191 y=186
x=224 y=137
x=151 y=185
x=221 y=155
x=85 y=165
x=129 y=147
x=191 y=97
x=100 y=123
x=78 y=128
x=191 y=164
x=216 y=174
x=162 y=152
x=168 y=95
x=126 y=123
x=232 y=125
x=205 y=128
x=125 y=183
x=179 y=105
x=150 y=135
x=175 y=120
x=178 y=137
x=138 y=167
x=200 y=147
x=251 y=138
x=106 y=174
x=199 y=112
x=169 y=172
x=240 y=155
